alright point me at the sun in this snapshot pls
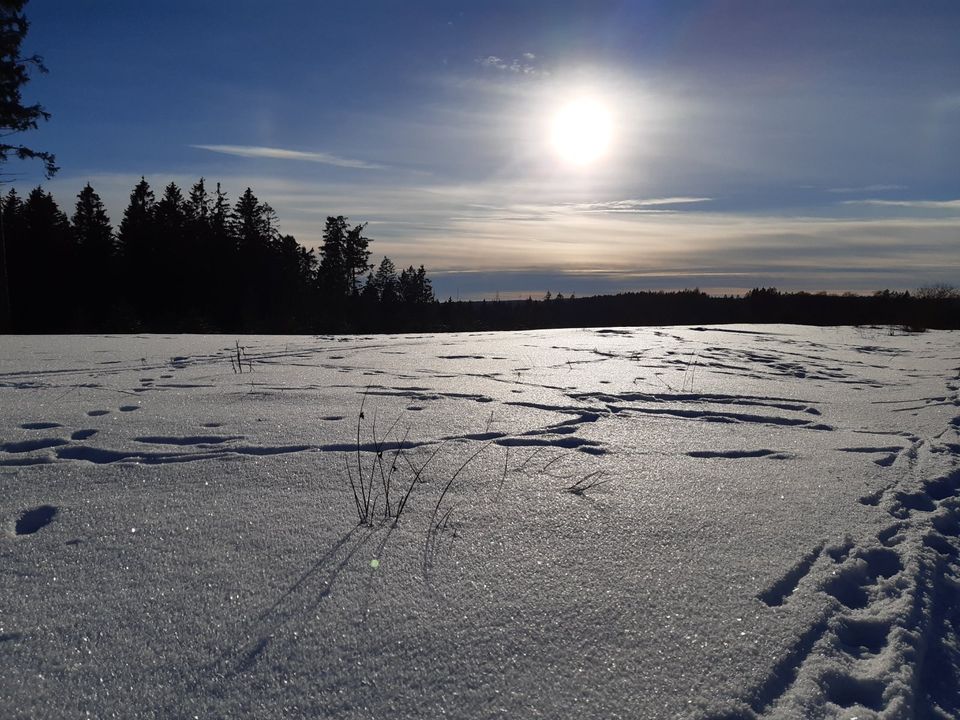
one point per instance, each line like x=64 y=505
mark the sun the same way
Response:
x=582 y=131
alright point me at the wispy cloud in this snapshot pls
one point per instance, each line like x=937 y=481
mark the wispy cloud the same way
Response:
x=866 y=189
x=252 y=151
x=523 y=65
x=646 y=205
x=919 y=204
x=480 y=228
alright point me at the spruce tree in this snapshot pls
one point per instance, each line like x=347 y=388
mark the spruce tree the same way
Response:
x=95 y=247
x=385 y=282
x=198 y=205
x=135 y=236
x=91 y=226
x=415 y=287
x=332 y=275
x=138 y=251
x=356 y=257
x=50 y=270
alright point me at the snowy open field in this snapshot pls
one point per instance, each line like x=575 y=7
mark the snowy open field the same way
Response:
x=773 y=532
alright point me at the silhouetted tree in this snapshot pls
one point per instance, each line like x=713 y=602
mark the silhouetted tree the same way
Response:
x=356 y=256
x=13 y=259
x=137 y=249
x=222 y=280
x=198 y=206
x=384 y=283
x=170 y=218
x=15 y=117
x=91 y=226
x=293 y=275
x=47 y=300
x=93 y=236
x=332 y=273
x=414 y=287
x=254 y=224
x=135 y=237
x=255 y=232
x=938 y=291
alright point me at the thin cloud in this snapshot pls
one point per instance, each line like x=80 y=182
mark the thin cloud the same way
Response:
x=252 y=151
x=647 y=205
x=866 y=189
x=919 y=204
x=524 y=65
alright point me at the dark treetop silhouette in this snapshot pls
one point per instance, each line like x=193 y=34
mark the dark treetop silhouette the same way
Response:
x=195 y=263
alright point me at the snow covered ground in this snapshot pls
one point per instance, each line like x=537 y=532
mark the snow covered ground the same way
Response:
x=771 y=531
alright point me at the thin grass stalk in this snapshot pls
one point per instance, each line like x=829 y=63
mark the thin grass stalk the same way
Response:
x=366 y=500
x=403 y=501
x=503 y=478
x=527 y=461
x=393 y=468
x=554 y=460
x=353 y=487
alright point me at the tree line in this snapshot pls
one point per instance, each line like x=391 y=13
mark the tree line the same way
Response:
x=895 y=311
x=194 y=262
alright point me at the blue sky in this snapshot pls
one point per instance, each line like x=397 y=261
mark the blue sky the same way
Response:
x=806 y=145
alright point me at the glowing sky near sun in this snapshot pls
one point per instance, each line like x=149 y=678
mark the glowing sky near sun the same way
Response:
x=520 y=147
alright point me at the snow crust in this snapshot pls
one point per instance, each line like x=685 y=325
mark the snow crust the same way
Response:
x=717 y=523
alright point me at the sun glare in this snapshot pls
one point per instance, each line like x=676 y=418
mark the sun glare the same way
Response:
x=582 y=131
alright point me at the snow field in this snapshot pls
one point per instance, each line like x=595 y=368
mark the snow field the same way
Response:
x=774 y=535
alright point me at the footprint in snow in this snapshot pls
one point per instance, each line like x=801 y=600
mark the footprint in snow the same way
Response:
x=850 y=586
x=40 y=425
x=30 y=521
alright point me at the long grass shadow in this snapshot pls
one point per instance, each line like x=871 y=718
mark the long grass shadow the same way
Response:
x=264 y=630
